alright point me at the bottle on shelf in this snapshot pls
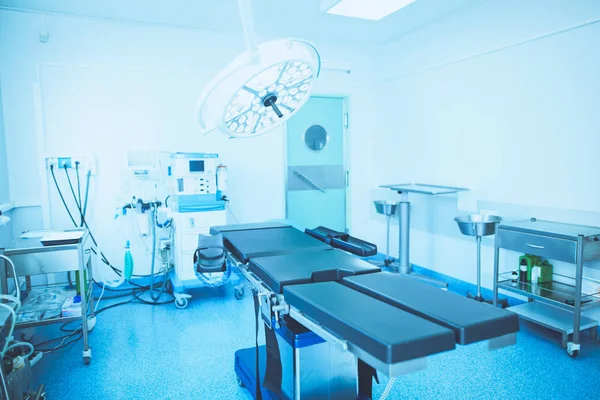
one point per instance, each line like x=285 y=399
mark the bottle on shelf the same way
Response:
x=546 y=271
x=536 y=273
x=128 y=270
x=523 y=269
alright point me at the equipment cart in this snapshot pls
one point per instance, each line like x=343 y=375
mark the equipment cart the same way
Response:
x=55 y=252
x=556 y=304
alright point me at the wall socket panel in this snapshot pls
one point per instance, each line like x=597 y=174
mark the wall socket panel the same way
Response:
x=85 y=163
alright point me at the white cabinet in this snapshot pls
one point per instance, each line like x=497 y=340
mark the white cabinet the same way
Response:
x=186 y=228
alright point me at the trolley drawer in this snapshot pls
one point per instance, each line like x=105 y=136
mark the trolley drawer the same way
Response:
x=544 y=246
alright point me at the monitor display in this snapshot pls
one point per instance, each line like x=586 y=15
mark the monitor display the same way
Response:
x=197 y=166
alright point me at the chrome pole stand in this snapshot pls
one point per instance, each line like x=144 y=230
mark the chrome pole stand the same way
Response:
x=404 y=246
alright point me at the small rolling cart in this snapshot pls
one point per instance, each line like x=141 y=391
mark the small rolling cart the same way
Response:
x=52 y=252
x=558 y=303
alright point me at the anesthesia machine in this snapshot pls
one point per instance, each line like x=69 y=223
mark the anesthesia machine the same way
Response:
x=196 y=201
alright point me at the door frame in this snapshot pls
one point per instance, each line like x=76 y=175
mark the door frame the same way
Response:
x=345 y=118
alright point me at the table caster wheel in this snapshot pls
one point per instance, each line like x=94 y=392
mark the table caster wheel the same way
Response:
x=573 y=349
x=87 y=356
x=181 y=302
x=573 y=354
x=239 y=382
x=239 y=293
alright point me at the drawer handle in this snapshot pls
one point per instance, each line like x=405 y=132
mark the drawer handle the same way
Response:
x=535 y=246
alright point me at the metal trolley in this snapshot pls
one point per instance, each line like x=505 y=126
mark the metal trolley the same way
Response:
x=32 y=258
x=558 y=304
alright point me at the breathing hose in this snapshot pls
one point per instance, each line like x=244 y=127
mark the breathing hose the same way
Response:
x=164 y=283
x=213 y=283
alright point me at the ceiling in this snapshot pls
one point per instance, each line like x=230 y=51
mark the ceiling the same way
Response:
x=300 y=18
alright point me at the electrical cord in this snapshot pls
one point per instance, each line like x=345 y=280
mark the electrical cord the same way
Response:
x=162 y=289
x=9 y=337
x=100 y=298
x=153 y=303
x=26 y=344
x=14 y=269
x=135 y=299
x=60 y=194
x=63 y=344
x=15 y=299
x=231 y=212
x=102 y=256
x=78 y=204
x=87 y=192
x=70 y=279
x=78 y=189
x=388 y=389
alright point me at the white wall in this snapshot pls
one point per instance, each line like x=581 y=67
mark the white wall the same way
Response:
x=5 y=230
x=4 y=195
x=503 y=99
x=101 y=88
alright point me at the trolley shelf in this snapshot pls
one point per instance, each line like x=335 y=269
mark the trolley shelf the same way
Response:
x=551 y=317
x=554 y=293
x=29 y=324
x=54 y=320
x=31 y=257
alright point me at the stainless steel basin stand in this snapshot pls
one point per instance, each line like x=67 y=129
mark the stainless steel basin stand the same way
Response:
x=387 y=208
x=479 y=225
x=478 y=296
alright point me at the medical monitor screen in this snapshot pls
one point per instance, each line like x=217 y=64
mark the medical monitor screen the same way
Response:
x=197 y=166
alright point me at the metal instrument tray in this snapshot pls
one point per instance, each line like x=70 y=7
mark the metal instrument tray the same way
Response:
x=423 y=188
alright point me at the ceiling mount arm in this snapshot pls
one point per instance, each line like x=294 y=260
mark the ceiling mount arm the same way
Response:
x=245 y=7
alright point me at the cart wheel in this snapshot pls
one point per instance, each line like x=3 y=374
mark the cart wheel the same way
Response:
x=573 y=354
x=239 y=293
x=87 y=356
x=239 y=382
x=181 y=302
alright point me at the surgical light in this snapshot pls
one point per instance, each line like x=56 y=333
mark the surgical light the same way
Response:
x=261 y=88
x=372 y=10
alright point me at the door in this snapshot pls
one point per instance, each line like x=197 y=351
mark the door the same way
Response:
x=316 y=175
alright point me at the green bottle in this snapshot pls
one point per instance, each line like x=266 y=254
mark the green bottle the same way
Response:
x=77 y=285
x=128 y=262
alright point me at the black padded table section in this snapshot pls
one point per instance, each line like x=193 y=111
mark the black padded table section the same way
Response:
x=470 y=320
x=384 y=331
x=273 y=241
x=307 y=267
x=245 y=227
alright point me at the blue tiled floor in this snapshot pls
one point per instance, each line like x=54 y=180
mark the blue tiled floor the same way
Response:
x=143 y=352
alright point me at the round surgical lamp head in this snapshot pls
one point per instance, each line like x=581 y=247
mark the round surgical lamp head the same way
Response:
x=260 y=89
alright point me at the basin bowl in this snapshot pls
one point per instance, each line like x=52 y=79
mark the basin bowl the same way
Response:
x=477 y=224
x=386 y=207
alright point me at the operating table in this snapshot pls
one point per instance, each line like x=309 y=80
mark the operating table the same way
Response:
x=333 y=320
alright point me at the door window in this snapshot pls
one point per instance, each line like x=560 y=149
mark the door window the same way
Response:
x=316 y=138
